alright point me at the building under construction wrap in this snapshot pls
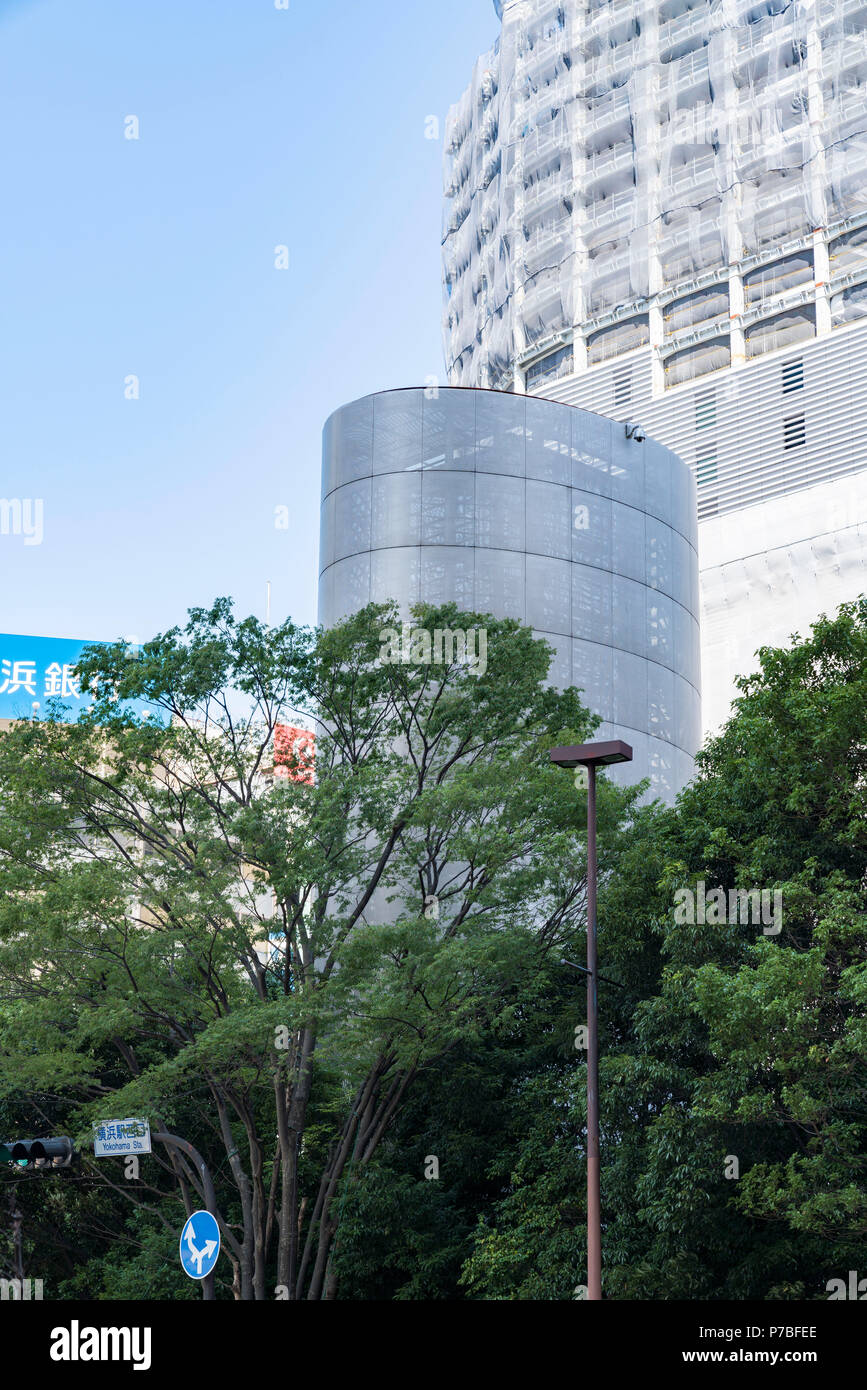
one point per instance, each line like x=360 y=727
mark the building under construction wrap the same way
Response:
x=658 y=211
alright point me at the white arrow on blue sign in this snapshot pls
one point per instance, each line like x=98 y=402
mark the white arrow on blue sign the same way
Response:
x=200 y=1244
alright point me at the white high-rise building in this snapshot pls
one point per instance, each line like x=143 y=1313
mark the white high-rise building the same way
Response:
x=658 y=211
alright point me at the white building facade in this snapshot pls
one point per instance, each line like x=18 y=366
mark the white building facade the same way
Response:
x=658 y=211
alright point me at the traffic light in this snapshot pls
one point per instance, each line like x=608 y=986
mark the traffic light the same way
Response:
x=38 y=1153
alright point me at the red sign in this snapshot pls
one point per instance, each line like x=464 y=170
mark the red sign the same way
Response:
x=294 y=753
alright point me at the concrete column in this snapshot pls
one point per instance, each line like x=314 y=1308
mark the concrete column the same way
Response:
x=736 y=308
x=817 y=177
x=822 y=264
x=657 y=337
x=648 y=157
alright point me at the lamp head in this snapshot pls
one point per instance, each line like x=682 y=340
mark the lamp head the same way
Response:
x=592 y=754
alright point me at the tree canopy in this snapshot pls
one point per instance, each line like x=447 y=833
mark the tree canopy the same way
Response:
x=346 y=990
x=268 y=963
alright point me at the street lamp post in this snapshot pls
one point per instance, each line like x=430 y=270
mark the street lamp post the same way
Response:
x=591 y=756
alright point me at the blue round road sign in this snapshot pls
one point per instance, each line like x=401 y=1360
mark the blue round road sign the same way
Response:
x=200 y=1244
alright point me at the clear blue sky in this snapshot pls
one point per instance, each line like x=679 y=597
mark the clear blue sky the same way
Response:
x=155 y=257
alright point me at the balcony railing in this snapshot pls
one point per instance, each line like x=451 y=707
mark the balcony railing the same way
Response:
x=691 y=69
x=614 y=60
x=850 y=52
x=695 y=172
x=543 y=246
x=604 y=210
x=683 y=26
x=541 y=144
x=605 y=112
x=543 y=198
x=609 y=161
x=753 y=38
x=608 y=16
x=834 y=9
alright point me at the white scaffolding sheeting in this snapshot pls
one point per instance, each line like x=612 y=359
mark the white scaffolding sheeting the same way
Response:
x=607 y=154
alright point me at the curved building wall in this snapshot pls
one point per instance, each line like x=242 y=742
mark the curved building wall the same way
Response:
x=528 y=508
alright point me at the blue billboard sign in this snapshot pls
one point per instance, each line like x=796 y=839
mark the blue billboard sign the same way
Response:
x=36 y=670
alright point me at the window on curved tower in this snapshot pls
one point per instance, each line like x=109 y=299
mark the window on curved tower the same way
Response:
x=550 y=367
x=697 y=361
x=781 y=331
x=699 y=308
x=850 y=305
x=622 y=337
x=778 y=278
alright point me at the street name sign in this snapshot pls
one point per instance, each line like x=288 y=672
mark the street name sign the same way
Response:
x=115 y=1137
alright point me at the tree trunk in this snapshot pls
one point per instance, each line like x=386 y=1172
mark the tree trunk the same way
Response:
x=242 y=1182
x=327 y=1224
x=291 y=1119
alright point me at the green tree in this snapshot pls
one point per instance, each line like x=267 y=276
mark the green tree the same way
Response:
x=411 y=893
x=726 y=1043
x=782 y=803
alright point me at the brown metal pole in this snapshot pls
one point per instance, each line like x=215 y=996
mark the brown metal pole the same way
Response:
x=594 y=1211
x=164 y=1137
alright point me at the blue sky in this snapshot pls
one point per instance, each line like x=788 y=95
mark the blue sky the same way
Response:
x=155 y=258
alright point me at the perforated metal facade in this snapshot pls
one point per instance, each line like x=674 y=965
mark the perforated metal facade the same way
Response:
x=524 y=507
